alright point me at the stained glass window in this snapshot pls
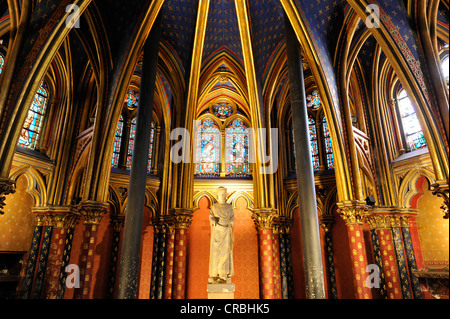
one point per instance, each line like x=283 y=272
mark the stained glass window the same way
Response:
x=223 y=110
x=313 y=100
x=314 y=144
x=30 y=131
x=2 y=63
x=208 y=149
x=117 y=143
x=132 y=99
x=328 y=147
x=131 y=145
x=411 y=125
x=236 y=141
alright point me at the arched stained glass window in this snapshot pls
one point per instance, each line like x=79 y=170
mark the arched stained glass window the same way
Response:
x=328 y=146
x=30 y=131
x=314 y=143
x=131 y=145
x=132 y=99
x=313 y=100
x=208 y=149
x=117 y=142
x=411 y=125
x=2 y=63
x=236 y=141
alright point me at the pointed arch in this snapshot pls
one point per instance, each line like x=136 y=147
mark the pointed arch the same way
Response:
x=37 y=186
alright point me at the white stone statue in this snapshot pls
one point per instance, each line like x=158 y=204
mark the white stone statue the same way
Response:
x=221 y=218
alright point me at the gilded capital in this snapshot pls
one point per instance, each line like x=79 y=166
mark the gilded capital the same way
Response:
x=285 y=225
x=168 y=224
x=117 y=222
x=182 y=219
x=41 y=219
x=352 y=212
x=388 y=216
x=327 y=221
x=92 y=212
x=7 y=187
x=378 y=221
x=263 y=218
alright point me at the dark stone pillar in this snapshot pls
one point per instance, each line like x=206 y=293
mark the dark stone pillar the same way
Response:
x=130 y=254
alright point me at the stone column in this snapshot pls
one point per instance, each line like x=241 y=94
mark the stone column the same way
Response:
x=276 y=259
x=170 y=253
x=158 y=262
x=44 y=250
x=33 y=256
x=62 y=222
x=287 y=280
x=379 y=221
x=312 y=251
x=378 y=257
x=117 y=222
x=410 y=253
x=130 y=256
x=161 y=262
x=92 y=213
x=263 y=219
x=70 y=223
x=183 y=220
x=155 y=155
x=353 y=214
x=395 y=220
x=327 y=222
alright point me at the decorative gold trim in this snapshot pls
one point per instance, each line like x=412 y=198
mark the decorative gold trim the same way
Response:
x=352 y=212
x=263 y=218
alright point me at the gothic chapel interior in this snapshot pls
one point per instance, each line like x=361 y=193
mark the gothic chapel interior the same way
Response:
x=327 y=121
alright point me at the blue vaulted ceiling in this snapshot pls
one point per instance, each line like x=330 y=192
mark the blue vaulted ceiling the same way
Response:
x=267 y=25
x=178 y=27
x=222 y=30
x=323 y=20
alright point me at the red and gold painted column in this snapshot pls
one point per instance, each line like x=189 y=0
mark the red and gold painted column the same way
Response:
x=353 y=213
x=276 y=259
x=62 y=221
x=183 y=220
x=92 y=214
x=379 y=220
x=170 y=253
x=263 y=220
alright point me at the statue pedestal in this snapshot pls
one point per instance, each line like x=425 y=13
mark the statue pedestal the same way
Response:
x=221 y=291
